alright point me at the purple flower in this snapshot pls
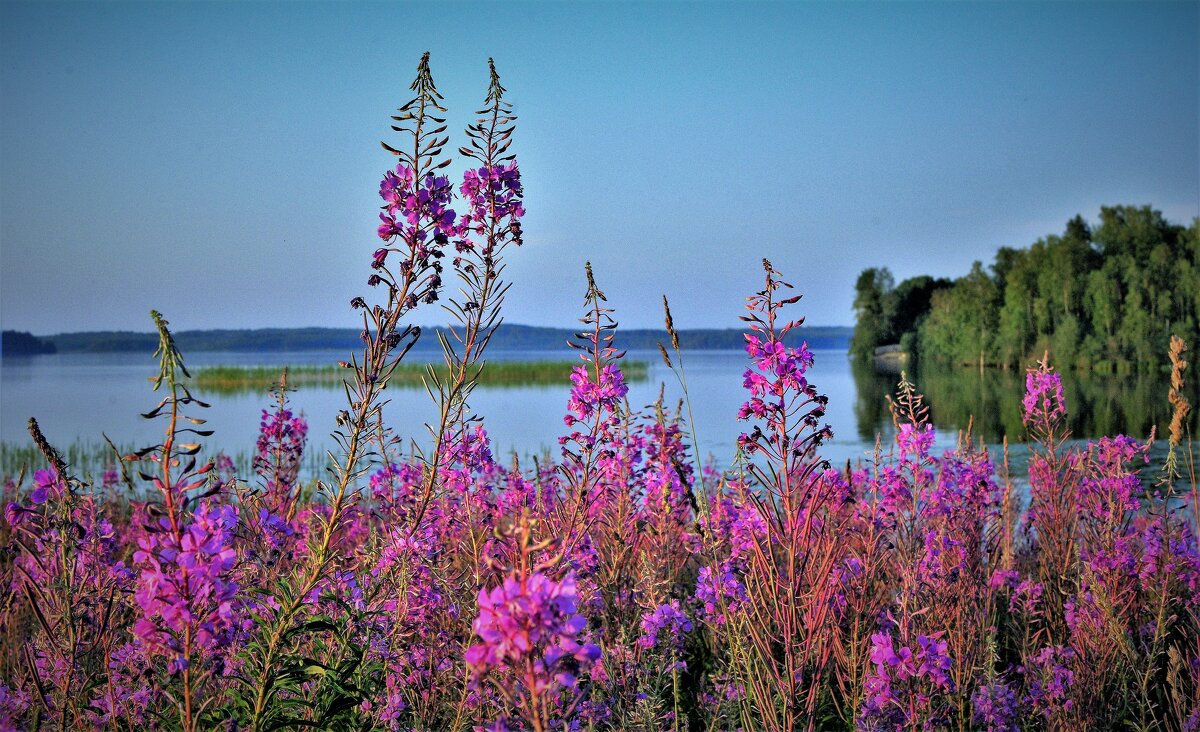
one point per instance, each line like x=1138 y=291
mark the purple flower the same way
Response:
x=1043 y=402
x=933 y=661
x=721 y=591
x=906 y=688
x=46 y=485
x=995 y=707
x=14 y=703
x=1048 y=679
x=493 y=194
x=776 y=370
x=915 y=443
x=665 y=628
x=602 y=395
x=187 y=585
x=278 y=457
x=529 y=629
x=416 y=212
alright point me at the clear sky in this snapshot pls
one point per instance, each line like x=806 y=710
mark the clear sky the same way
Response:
x=220 y=162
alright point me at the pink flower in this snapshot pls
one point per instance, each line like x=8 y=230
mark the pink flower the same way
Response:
x=531 y=620
x=1043 y=400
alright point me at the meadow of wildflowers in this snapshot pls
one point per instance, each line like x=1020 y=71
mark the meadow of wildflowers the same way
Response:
x=626 y=584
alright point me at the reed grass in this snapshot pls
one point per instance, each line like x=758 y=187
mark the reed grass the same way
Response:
x=90 y=459
x=501 y=374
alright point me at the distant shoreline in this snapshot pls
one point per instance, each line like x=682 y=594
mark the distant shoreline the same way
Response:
x=507 y=338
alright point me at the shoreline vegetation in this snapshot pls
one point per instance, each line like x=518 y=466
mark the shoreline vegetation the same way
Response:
x=1105 y=299
x=226 y=379
x=93 y=459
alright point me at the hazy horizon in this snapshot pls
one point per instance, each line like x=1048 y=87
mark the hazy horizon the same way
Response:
x=148 y=331
x=220 y=162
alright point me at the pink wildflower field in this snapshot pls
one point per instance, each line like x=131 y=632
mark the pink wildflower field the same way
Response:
x=622 y=582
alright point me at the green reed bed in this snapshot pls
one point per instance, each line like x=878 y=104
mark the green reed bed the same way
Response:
x=91 y=459
x=232 y=379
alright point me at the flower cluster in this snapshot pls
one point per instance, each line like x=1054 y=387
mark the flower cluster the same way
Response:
x=776 y=369
x=493 y=193
x=532 y=620
x=407 y=206
x=914 y=441
x=665 y=628
x=996 y=707
x=1049 y=678
x=281 y=438
x=894 y=594
x=905 y=685
x=185 y=590
x=530 y=639
x=1044 y=401
x=591 y=396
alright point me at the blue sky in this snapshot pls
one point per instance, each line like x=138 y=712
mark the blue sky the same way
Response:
x=220 y=162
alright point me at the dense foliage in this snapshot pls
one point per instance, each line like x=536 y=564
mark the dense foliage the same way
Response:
x=1107 y=299
x=618 y=585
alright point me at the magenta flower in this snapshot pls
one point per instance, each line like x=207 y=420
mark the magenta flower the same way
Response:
x=46 y=485
x=493 y=194
x=665 y=627
x=408 y=210
x=996 y=707
x=1049 y=678
x=279 y=453
x=1043 y=400
x=915 y=442
x=534 y=620
x=721 y=592
x=590 y=396
x=906 y=687
x=187 y=587
x=14 y=702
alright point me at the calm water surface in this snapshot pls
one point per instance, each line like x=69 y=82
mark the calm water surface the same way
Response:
x=77 y=397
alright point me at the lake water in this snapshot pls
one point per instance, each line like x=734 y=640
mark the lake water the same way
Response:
x=76 y=397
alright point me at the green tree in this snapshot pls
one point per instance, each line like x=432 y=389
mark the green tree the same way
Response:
x=872 y=325
x=910 y=302
x=962 y=320
x=1108 y=297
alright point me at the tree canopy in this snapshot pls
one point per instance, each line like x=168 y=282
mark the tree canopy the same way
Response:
x=1106 y=298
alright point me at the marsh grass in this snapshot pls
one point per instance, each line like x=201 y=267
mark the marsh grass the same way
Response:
x=500 y=374
x=91 y=458
x=88 y=458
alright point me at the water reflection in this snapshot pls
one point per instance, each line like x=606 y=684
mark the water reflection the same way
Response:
x=1097 y=404
x=76 y=397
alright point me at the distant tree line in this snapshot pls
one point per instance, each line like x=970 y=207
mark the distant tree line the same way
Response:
x=507 y=338
x=1107 y=299
x=20 y=343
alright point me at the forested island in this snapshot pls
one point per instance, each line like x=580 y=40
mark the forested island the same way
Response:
x=1106 y=298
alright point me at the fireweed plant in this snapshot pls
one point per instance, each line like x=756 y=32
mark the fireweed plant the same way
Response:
x=618 y=584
